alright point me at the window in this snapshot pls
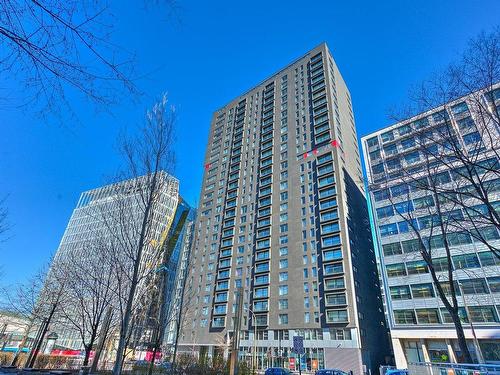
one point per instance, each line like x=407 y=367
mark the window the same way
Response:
x=401 y=189
x=262 y=267
x=329 y=215
x=332 y=255
x=440 y=264
x=283 y=319
x=387 y=136
x=423 y=202
x=324 y=181
x=390 y=149
x=459 y=108
x=408 y=143
x=324 y=158
x=393 y=164
x=374 y=155
x=416 y=267
x=381 y=195
x=396 y=269
x=474 y=286
x=472 y=138
x=410 y=246
x=428 y=316
x=483 y=314
x=494 y=283
x=466 y=124
x=386 y=211
x=219 y=322
x=400 y=292
x=487 y=233
x=283 y=276
x=327 y=192
x=330 y=241
x=336 y=316
x=388 y=229
x=261 y=293
x=283 y=290
x=325 y=169
x=261 y=320
x=283 y=304
x=335 y=283
x=333 y=268
x=336 y=299
x=261 y=279
x=283 y=251
x=260 y=306
x=403 y=207
x=488 y=259
x=422 y=290
x=442 y=178
x=404 y=317
x=283 y=263
x=330 y=228
x=377 y=169
x=392 y=249
x=332 y=202
x=372 y=142
x=465 y=261
x=447 y=317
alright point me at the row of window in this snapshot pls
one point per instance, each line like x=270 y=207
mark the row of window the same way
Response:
x=462 y=261
x=478 y=314
x=426 y=290
x=436 y=118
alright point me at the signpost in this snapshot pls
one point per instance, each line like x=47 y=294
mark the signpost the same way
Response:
x=298 y=347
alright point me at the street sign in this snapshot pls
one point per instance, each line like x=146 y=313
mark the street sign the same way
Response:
x=298 y=344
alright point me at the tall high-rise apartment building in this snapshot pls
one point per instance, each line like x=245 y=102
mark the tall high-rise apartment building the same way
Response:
x=283 y=216
x=413 y=166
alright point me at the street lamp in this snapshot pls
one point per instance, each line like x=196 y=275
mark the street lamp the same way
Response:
x=254 y=320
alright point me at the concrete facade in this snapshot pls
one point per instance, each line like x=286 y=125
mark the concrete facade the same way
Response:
x=421 y=329
x=283 y=216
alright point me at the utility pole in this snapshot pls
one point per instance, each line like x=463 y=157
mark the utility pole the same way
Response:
x=235 y=345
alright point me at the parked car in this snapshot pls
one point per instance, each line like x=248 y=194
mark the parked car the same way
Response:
x=396 y=371
x=331 y=371
x=277 y=371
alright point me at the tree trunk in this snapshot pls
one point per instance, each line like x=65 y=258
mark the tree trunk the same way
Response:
x=152 y=363
x=462 y=342
x=88 y=348
x=102 y=339
x=135 y=275
x=21 y=345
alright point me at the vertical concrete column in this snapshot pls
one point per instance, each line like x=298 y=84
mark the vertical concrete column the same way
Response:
x=399 y=354
x=451 y=352
x=425 y=351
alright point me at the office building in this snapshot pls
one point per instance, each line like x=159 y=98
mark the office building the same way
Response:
x=104 y=214
x=283 y=216
x=402 y=161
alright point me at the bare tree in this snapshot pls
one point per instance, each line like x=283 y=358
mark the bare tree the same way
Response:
x=55 y=47
x=468 y=139
x=136 y=224
x=89 y=285
x=4 y=224
x=451 y=170
x=37 y=301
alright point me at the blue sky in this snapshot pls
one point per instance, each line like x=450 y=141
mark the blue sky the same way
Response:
x=208 y=54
